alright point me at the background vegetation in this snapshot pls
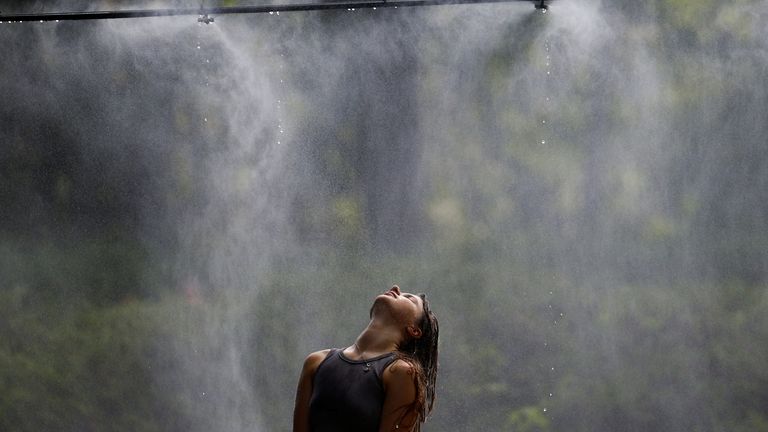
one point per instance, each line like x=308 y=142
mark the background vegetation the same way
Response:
x=614 y=278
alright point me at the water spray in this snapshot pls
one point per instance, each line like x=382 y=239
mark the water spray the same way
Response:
x=205 y=14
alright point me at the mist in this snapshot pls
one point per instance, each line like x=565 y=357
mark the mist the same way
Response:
x=188 y=210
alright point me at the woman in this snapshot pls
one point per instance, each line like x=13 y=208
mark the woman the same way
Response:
x=384 y=382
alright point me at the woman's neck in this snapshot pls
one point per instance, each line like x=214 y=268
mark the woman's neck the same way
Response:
x=375 y=340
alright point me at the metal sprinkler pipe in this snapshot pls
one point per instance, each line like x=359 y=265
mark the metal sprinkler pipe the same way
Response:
x=205 y=14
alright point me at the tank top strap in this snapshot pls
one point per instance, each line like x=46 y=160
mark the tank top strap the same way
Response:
x=380 y=364
x=328 y=356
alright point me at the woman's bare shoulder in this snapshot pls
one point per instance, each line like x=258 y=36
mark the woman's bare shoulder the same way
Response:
x=314 y=359
x=399 y=370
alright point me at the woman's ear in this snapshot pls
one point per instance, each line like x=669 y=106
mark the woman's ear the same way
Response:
x=414 y=331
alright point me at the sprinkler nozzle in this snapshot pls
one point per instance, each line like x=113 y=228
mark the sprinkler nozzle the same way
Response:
x=541 y=5
x=204 y=18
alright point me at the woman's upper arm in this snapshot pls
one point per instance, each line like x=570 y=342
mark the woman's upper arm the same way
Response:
x=304 y=391
x=400 y=394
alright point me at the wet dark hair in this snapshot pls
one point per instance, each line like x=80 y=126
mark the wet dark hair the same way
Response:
x=421 y=354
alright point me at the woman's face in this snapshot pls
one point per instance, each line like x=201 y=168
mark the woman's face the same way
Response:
x=405 y=308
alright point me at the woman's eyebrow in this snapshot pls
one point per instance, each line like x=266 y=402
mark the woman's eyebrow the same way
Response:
x=411 y=297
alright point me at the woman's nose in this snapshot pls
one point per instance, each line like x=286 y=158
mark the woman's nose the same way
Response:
x=396 y=289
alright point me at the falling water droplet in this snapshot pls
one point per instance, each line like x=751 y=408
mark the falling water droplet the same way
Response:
x=271 y=12
x=553 y=368
x=277 y=13
x=550 y=395
x=544 y=142
x=205 y=119
x=545 y=410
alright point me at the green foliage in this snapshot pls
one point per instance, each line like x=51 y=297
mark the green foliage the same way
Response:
x=528 y=419
x=103 y=270
x=96 y=367
x=78 y=370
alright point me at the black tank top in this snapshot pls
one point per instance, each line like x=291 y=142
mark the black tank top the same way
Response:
x=348 y=395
